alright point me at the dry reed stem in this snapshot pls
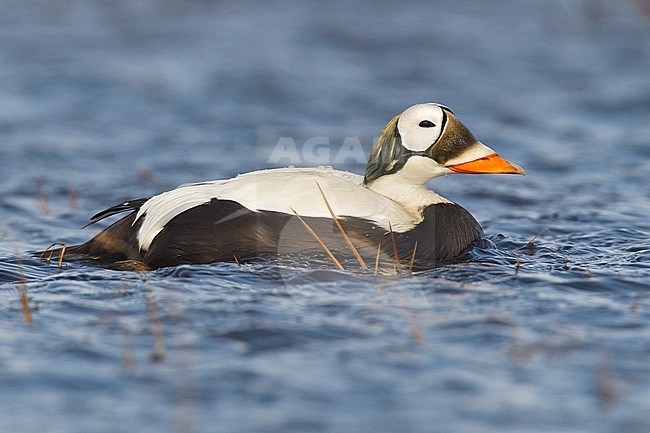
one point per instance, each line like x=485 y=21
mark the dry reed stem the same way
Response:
x=72 y=196
x=415 y=248
x=531 y=242
x=398 y=265
x=123 y=290
x=416 y=330
x=43 y=200
x=637 y=301
x=517 y=262
x=414 y=326
x=24 y=300
x=337 y=264
x=530 y=245
x=49 y=258
x=158 y=353
x=186 y=396
x=62 y=251
x=377 y=259
x=128 y=358
x=61 y=254
x=605 y=381
x=345 y=236
x=586 y=266
x=523 y=353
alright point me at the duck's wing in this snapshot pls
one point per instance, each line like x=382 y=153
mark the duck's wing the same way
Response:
x=131 y=205
x=282 y=191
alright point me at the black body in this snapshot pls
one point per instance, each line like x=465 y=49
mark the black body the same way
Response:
x=223 y=229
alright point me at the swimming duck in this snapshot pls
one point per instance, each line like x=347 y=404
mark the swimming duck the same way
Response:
x=257 y=213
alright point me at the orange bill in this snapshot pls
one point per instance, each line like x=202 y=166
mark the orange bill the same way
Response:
x=488 y=164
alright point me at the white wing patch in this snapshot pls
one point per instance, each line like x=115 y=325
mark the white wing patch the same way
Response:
x=280 y=190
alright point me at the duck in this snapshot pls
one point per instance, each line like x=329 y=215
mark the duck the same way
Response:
x=272 y=212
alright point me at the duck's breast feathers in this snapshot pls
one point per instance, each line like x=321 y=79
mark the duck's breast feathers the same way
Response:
x=279 y=190
x=448 y=231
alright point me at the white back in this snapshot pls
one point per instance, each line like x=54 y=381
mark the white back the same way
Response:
x=282 y=190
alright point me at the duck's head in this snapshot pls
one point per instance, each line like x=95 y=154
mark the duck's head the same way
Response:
x=428 y=140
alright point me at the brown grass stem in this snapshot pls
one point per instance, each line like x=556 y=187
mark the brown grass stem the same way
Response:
x=43 y=200
x=24 y=300
x=72 y=196
x=377 y=258
x=49 y=249
x=605 y=381
x=634 y=307
x=398 y=264
x=517 y=262
x=531 y=243
x=128 y=358
x=415 y=248
x=345 y=236
x=337 y=264
x=158 y=353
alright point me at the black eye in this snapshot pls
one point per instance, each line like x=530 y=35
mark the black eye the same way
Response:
x=427 y=124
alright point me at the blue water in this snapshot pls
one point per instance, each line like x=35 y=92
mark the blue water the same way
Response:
x=106 y=101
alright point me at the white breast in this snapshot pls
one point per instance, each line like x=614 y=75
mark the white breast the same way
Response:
x=281 y=190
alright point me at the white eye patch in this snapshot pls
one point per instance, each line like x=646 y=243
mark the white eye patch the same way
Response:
x=420 y=126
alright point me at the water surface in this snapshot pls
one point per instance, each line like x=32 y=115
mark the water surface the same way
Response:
x=104 y=102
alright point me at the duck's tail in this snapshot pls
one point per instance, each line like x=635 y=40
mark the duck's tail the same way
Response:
x=118 y=242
